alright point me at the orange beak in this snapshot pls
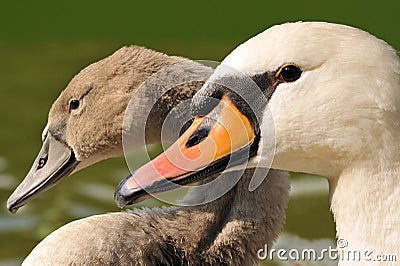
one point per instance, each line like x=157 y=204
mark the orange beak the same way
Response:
x=205 y=146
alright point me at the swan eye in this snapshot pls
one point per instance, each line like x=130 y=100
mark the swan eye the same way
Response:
x=289 y=73
x=74 y=104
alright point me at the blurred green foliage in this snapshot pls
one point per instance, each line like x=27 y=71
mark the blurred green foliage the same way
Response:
x=207 y=22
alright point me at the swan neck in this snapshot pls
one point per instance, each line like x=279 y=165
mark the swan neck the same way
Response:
x=365 y=207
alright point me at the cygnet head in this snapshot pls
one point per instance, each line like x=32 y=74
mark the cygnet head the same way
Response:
x=85 y=122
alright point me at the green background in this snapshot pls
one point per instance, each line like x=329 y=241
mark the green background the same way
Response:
x=43 y=44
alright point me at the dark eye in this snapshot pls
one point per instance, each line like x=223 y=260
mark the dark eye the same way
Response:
x=289 y=73
x=73 y=104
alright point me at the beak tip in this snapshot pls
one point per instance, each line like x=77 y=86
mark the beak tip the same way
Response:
x=125 y=196
x=11 y=206
x=121 y=195
x=56 y=160
x=120 y=202
x=13 y=210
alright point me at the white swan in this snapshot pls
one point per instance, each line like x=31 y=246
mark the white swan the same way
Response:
x=332 y=94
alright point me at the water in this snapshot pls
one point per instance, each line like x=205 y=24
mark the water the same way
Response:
x=31 y=77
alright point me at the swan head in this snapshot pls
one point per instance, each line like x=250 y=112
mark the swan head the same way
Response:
x=321 y=96
x=85 y=122
x=341 y=107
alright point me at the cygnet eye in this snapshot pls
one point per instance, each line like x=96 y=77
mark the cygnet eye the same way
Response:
x=74 y=104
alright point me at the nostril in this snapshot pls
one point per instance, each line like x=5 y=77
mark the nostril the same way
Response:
x=198 y=136
x=41 y=163
x=193 y=140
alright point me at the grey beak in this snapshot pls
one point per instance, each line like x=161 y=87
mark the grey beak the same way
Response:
x=54 y=161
